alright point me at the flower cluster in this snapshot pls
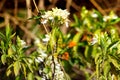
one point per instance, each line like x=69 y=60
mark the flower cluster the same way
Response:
x=56 y=68
x=94 y=39
x=42 y=54
x=110 y=17
x=56 y=15
x=21 y=43
x=59 y=75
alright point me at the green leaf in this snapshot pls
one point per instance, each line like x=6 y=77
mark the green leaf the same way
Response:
x=2 y=36
x=24 y=69
x=100 y=17
x=29 y=65
x=88 y=52
x=3 y=58
x=114 y=21
x=97 y=58
x=16 y=67
x=113 y=44
x=8 y=72
x=30 y=76
x=12 y=35
x=10 y=51
x=77 y=22
x=114 y=61
x=76 y=40
x=106 y=68
x=8 y=31
x=38 y=77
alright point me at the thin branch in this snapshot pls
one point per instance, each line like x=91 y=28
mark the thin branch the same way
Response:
x=41 y=4
x=98 y=7
x=16 y=21
x=2 y=4
x=45 y=28
x=36 y=6
x=68 y=4
x=16 y=7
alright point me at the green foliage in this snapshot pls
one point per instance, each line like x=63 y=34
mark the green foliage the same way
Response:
x=101 y=50
x=91 y=46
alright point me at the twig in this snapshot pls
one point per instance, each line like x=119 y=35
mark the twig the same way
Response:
x=1 y=4
x=45 y=29
x=41 y=19
x=16 y=7
x=77 y=8
x=68 y=4
x=98 y=7
x=2 y=25
x=29 y=13
x=41 y=4
x=36 y=6
x=53 y=2
x=15 y=21
x=7 y=19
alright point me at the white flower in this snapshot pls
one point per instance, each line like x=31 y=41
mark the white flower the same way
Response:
x=94 y=15
x=105 y=18
x=42 y=53
x=51 y=15
x=47 y=14
x=94 y=40
x=30 y=61
x=59 y=12
x=37 y=41
x=23 y=43
x=44 y=21
x=66 y=23
x=113 y=16
x=39 y=59
x=51 y=18
x=46 y=39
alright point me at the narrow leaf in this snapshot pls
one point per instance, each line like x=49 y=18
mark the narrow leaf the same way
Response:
x=2 y=36
x=8 y=72
x=3 y=58
x=24 y=69
x=114 y=61
x=114 y=44
x=30 y=76
x=10 y=51
x=16 y=68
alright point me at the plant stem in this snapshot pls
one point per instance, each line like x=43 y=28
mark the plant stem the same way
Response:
x=36 y=6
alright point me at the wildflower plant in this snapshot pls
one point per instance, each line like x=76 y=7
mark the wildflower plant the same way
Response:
x=100 y=39
x=91 y=45
x=49 y=46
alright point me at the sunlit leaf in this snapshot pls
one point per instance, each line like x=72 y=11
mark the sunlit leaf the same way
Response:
x=12 y=35
x=88 y=52
x=3 y=58
x=16 y=67
x=8 y=32
x=10 y=51
x=114 y=21
x=8 y=72
x=38 y=77
x=114 y=61
x=24 y=69
x=77 y=22
x=29 y=65
x=30 y=76
x=113 y=44
x=2 y=36
x=106 y=68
